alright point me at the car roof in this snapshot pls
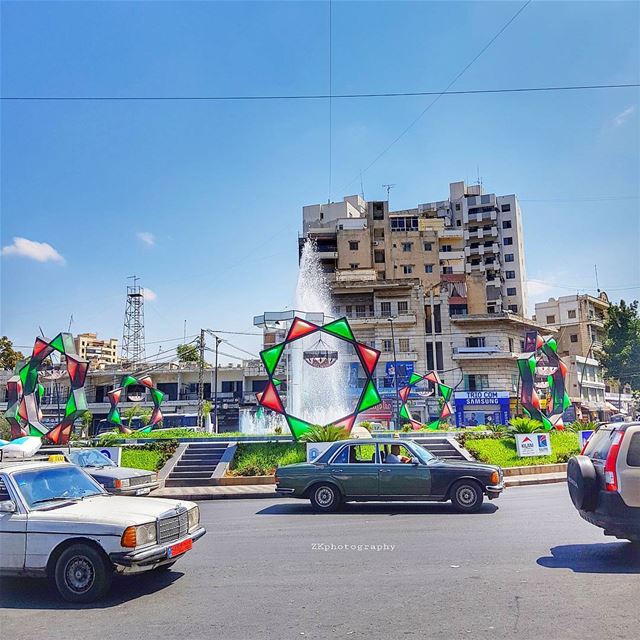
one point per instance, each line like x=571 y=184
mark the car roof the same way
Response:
x=19 y=465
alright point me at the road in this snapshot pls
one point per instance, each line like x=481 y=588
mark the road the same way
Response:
x=525 y=567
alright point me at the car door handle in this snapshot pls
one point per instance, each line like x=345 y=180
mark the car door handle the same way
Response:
x=384 y=470
x=338 y=470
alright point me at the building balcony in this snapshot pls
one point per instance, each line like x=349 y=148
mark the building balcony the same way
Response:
x=457 y=254
x=482 y=216
x=481 y=353
x=478 y=233
x=360 y=320
x=327 y=255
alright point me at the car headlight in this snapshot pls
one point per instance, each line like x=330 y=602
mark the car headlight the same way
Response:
x=136 y=536
x=194 y=518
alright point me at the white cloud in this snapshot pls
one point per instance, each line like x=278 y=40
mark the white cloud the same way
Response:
x=149 y=294
x=147 y=237
x=39 y=251
x=623 y=116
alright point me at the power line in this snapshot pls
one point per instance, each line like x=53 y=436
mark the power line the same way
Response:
x=321 y=96
x=439 y=95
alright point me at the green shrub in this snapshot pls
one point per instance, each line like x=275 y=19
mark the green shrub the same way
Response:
x=524 y=425
x=406 y=427
x=151 y=456
x=330 y=433
x=366 y=425
x=167 y=434
x=261 y=459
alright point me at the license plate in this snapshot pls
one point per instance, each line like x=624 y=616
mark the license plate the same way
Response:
x=143 y=492
x=179 y=548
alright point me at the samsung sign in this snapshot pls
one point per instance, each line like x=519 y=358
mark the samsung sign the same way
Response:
x=481 y=407
x=484 y=397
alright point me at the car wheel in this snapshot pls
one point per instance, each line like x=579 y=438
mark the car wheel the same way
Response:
x=325 y=498
x=82 y=573
x=165 y=567
x=466 y=496
x=583 y=483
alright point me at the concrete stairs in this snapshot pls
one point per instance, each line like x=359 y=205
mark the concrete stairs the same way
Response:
x=196 y=465
x=440 y=446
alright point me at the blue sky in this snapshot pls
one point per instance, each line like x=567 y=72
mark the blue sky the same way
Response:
x=203 y=200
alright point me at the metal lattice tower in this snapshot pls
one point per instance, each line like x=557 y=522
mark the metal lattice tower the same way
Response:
x=133 y=332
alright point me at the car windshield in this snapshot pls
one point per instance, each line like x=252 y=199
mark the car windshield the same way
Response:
x=422 y=454
x=90 y=458
x=42 y=486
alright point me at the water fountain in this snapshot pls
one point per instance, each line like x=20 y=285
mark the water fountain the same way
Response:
x=315 y=393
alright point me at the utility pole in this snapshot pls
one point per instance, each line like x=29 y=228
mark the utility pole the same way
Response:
x=201 y=380
x=395 y=375
x=215 y=387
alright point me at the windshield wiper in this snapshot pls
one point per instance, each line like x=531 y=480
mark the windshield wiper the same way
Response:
x=54 y=499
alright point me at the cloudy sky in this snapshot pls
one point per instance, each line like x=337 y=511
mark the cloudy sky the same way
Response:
x=202 y=200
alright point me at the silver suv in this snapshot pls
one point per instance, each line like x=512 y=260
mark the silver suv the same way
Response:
x=604 y=481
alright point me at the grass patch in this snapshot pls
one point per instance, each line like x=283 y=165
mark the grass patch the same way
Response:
x=502 y=452
x=168 y=434
x=133 y=458
x=261 y=459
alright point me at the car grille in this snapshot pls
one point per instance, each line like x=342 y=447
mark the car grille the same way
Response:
x=140 y=480
x=173 y=527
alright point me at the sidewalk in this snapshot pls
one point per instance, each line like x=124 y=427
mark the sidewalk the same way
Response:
x=268 y=491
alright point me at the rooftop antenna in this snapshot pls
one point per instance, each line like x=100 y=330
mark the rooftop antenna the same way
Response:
x=388 y=187
x=133 y=329
x=595 y=267
x=361 y=186
x=70 y=322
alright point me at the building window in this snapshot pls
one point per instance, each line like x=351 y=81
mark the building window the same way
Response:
x=445 y=248
x=428 y=268
x=571 y=313
x=349 y=310
x=407 y=268
x=387 y=346
x=403 y=306
x=353 y=245
x=508 y=257
x=476 y=382
x=447 y=269
x=506 y=224
x=511 y=275
x=428 y=246
x=507 y=241
x=403 y=344
x=475 y=341
x=385 y=309
x=511 y=291
x=458 y=310
x=574 y=337
x=513 y=308
x=457 y=207
x=378 y=256
x=407 y=246
x=505 y=207
x=511 y=345
x=438 y=364
x=458 y=223
x=354 y=265
x=551 y=319
x=378 y=234
x=378 y=211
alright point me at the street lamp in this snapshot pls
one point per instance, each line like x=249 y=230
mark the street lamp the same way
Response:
x=395 y=374
x=215 y=386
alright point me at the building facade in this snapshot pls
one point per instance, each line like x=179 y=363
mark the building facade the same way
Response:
x=99 y=352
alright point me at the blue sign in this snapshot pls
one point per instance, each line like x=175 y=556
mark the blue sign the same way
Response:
x=404 y=371
x=583 y=436
x=475 y=408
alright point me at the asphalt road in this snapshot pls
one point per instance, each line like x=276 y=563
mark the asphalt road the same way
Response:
x=525 y=567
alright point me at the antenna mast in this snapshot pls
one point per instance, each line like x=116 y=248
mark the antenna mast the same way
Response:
x=133 y=330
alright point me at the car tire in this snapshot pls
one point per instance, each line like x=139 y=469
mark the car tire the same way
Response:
x=582 y=482
x=325 y=498
x=165 y=567
x=466 y=496
x=82 y=573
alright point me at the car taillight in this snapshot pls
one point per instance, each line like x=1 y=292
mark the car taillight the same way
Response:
x=610 y=475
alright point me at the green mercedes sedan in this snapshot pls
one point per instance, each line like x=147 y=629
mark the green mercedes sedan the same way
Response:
x=387 y=469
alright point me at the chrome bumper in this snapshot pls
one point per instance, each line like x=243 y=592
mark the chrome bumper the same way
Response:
x=284 y=490
x=152 y=555
x=494 y=490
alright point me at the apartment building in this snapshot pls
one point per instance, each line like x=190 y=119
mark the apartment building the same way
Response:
x=579 y=321
x=99 y=352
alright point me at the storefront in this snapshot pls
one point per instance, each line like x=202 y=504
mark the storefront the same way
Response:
x=475 y=408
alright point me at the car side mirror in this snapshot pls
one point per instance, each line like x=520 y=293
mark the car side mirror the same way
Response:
x=8 y=506
x=415 y=462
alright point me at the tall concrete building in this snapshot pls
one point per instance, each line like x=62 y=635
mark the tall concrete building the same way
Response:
x=98 y=352
x=447 y=276
x=469 y=233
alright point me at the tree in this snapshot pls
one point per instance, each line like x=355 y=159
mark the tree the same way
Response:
x=87 y=420
x=188 y=353
x=621 y=346
x=8 y=356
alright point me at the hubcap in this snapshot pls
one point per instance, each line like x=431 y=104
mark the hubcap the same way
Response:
x=324 y=496
x=79 y=574
x=466 y=496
